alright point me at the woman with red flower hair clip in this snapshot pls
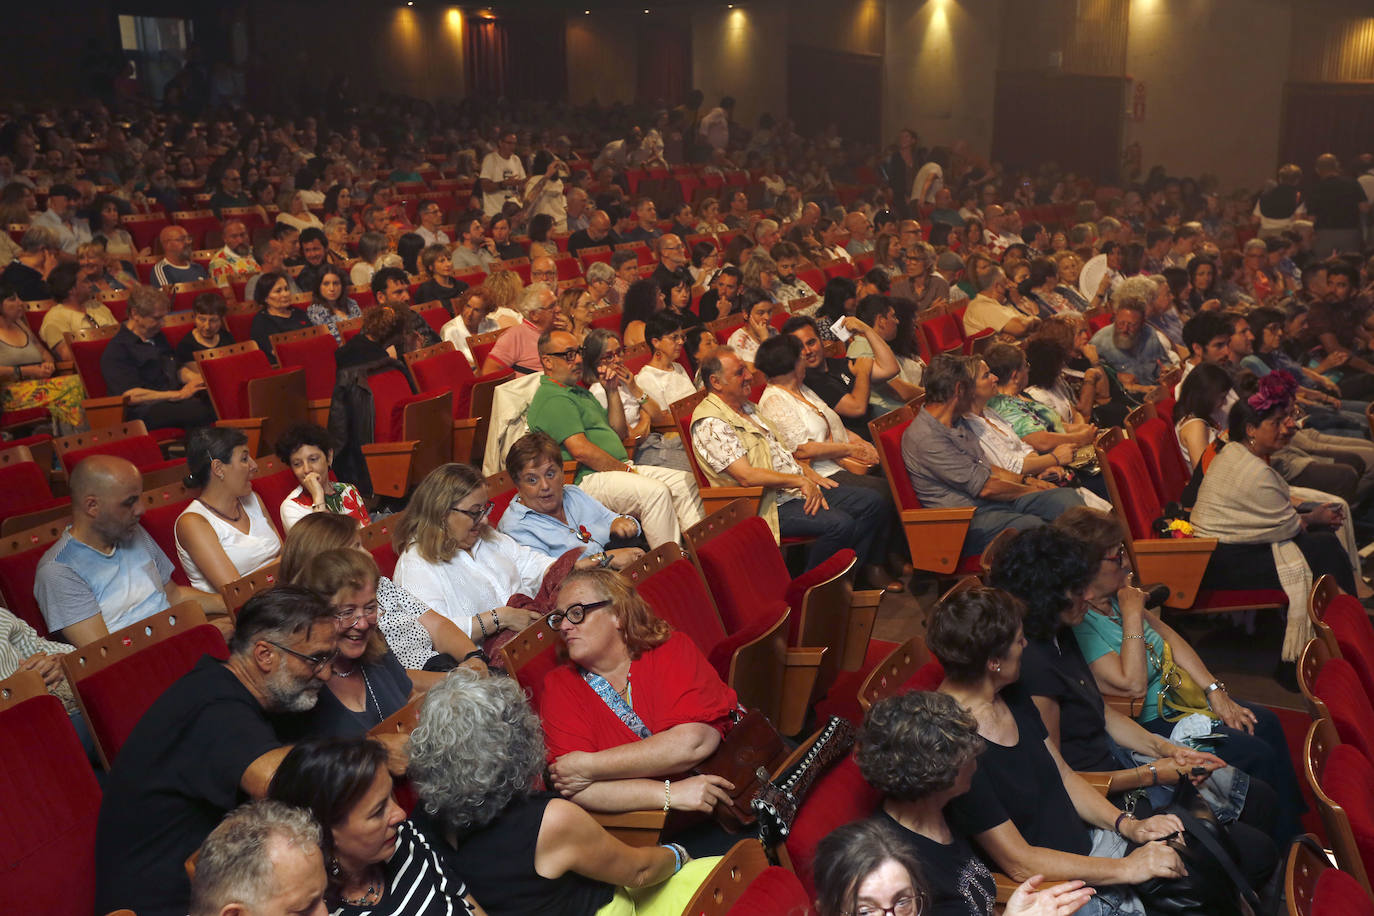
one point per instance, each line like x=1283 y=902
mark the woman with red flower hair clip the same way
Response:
x=553 y=517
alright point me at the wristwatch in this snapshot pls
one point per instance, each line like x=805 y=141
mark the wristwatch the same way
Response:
x=1213 y=687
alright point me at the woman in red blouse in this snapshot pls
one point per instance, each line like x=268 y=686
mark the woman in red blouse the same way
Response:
x=635 y=708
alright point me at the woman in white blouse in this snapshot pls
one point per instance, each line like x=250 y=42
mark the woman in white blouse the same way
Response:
x=454 y=562
x=297 y=214
x=663 y=378
x=757 y=307
x=225 y=533
x=815 y=435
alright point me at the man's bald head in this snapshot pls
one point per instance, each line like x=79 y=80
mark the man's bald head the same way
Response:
x=106 y=500
x=100 y=474
x=599 y=224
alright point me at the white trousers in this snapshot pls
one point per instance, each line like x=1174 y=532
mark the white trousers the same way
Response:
x=665 y=501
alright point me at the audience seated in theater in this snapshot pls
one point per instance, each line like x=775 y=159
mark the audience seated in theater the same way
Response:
x=372 y=250
x=105 y=271
x=553 y=518
x=673 y=261
x=757 y=310
x=518 y=347
x=737 y=446
x=315 y=251
x=663 y=377
x=789 y=285
x=844 y=384
x=472 y=310
x=1129 y=345
x=22 y=649
x=176 y=265
x=1320 y=397
x=1267 y=542
x=1335 y=326
x=308 y=450
x=894 y=320
x=431 y=217
x=948 y=467
x=225 y=533
x=38 y=254
x=264 y=857
x=391 y=287
x=271 y=257
x=105 y=572
x=919 y=281
x=641 y=300
x=207 y=333
x=989 y=309
x=204 y=746
x=723 y=298
x=330 y=301
x=664 y=499
x=603 y=363
x=379 y=862
x=1200 y=413
x=475 y=759
x=574 y=313
x=1255 y=741
x=440 y=286
x=61 y=219
x=235 y=260
x=1026 y=810
x=380 y=337
x=597 y=233
x=454 y=562
x=139 y=364
x=27 y=367
x=419 y=636
x=677 y=301
x=920 y=750
x=633 y=702
x=276 y=314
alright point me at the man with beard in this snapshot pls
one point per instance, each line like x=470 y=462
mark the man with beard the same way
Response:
x=205 y=746
x=1128 y=345
x=235 y=260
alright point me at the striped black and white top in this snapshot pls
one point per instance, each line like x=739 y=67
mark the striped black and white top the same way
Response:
x=417 y=883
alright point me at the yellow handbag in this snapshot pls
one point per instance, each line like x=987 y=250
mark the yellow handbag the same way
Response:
x=1180 y=695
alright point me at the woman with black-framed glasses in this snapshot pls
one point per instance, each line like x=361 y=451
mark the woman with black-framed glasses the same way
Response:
x=453 y=561
x=635 y=708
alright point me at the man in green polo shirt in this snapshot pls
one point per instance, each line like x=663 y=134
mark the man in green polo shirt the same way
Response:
x=665 y=501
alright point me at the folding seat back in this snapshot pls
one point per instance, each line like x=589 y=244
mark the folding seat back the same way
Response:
x=908 y=667
x=531 y=655
x=244 y=385
x=377 y=540
x=196 y=223
x=944 y=333
x=128 y=440
x=1338 y=686
x=737 y=554
x=50 y=802
x=118 y=676
x=176 y=326
x=1140 y=503
x=273 y=482
x=143 y=228
x=839 y=796
x=1342 y=783
x=237 y=593
x=19 y=556
x=23 y=484
x=390 y=392
x=1339 y=894
x=591 y=255
x=1354 y=637
x=675 y=590
x=239 y=321
x=743 y=883
x=442 y=368
x=1159 y=446
x=480 y=345
x=36 y=311
x=814 y=278
x=162 y=506
x=88 y=345
x=312 y=349
x=184 y=295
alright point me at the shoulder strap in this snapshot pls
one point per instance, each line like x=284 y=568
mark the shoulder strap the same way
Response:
x=1197 y=831
x=616 y=703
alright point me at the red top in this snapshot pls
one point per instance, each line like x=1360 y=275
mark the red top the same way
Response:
x=669 y=685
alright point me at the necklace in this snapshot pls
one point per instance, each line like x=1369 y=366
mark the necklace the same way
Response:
x=369 y=897
x=235 y=520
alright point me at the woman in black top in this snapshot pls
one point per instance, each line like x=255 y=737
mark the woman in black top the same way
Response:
x=209 y=332
x=276 y=314
x=474 y=760
x=920 y=750
x=441 y=286
x=377 y=862
x=1026 y=809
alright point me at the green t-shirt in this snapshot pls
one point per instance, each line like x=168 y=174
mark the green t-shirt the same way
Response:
x=1099 y=634
x=880 y=394
x=563 y=411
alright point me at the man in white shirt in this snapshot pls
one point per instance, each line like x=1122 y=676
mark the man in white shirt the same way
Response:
x=473 y=311
x=431 y=217
x=502 y=177
x=72 y=231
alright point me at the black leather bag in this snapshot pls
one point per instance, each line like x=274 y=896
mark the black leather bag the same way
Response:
x=1214 y=884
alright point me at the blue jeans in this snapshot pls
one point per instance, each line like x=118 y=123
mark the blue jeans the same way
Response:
x=1029 y=511
x=857 y=518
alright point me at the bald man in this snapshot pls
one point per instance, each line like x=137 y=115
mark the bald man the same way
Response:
x=235 y=260
x=598 y=232
x=176 y=265
x=105 y=571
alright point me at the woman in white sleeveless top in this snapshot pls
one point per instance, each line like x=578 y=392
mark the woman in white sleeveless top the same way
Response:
x=225 y=533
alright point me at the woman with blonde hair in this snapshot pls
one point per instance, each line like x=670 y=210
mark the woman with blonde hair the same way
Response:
x=297 y=214
x=419 y=636
x=503 y=289
x=708 y=217
x=761 y=272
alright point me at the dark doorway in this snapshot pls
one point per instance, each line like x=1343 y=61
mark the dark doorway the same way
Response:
x=833 y=86
x=1326 y=118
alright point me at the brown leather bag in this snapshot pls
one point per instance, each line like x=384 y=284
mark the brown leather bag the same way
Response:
x=747 y=756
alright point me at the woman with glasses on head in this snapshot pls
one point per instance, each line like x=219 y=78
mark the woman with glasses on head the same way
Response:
x=453 y=561
x=634 y=708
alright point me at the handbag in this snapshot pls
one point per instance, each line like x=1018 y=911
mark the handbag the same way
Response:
x=1213 y=885
x=778 y=800
x=1181 y=695
x=747 y=757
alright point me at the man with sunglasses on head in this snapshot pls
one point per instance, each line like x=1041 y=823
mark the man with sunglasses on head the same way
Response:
x=665 y=501
x=205 y=746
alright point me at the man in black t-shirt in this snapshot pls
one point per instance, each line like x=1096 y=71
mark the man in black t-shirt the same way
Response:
x=843 y=384
x=1337 y=204
x=204 y=747
x=140 y=364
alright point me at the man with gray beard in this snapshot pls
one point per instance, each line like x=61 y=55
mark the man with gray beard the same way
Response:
x=1128 y=344
x=205 y=746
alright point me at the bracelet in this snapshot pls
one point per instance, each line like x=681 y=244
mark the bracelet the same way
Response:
x=475 y=653
x=1154 y=772
x=679 y=855
x=482 y=626
x=1119 y=818
x=1139 y=636
x=1213 y=688
x=667 y=795
x=495 y=620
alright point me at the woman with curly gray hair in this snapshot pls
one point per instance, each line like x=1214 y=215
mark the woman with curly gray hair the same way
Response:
x=920 y=750
x=474 y=759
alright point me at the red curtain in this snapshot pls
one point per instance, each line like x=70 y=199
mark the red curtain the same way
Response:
x=515 y=58
x=665 y=63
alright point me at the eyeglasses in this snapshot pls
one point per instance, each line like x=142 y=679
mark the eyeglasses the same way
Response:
x=317 y=662
x=347 y=619
x=608 y=358
x=902 y=906
x=476 y=514
x=544 y=274
x=574 y=614
x=1117 y=556
x=567 y=355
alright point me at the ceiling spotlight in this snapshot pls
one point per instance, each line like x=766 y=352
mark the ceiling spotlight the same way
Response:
x=586 y=12
x=410 y=2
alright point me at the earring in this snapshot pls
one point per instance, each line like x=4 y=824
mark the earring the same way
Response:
x=997 y=668
x=335 y=869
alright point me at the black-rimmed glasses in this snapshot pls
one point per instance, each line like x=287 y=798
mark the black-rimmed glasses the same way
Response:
x=317 y=662
x=902 y=906
x=566 y=355
x=574 y=614
x=476 y=514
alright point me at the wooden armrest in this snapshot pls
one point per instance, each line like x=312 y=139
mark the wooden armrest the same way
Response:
x=716 y=498
x=102 y=412
x=935 y=537
x=317 y=411
x=801 y=668
x=64 y=367
x=1102 y=782
x=388 y=464
x=464 y=438
x=1127 y=706
x=1177 y=562
x=633 y=828
x=863 y=613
